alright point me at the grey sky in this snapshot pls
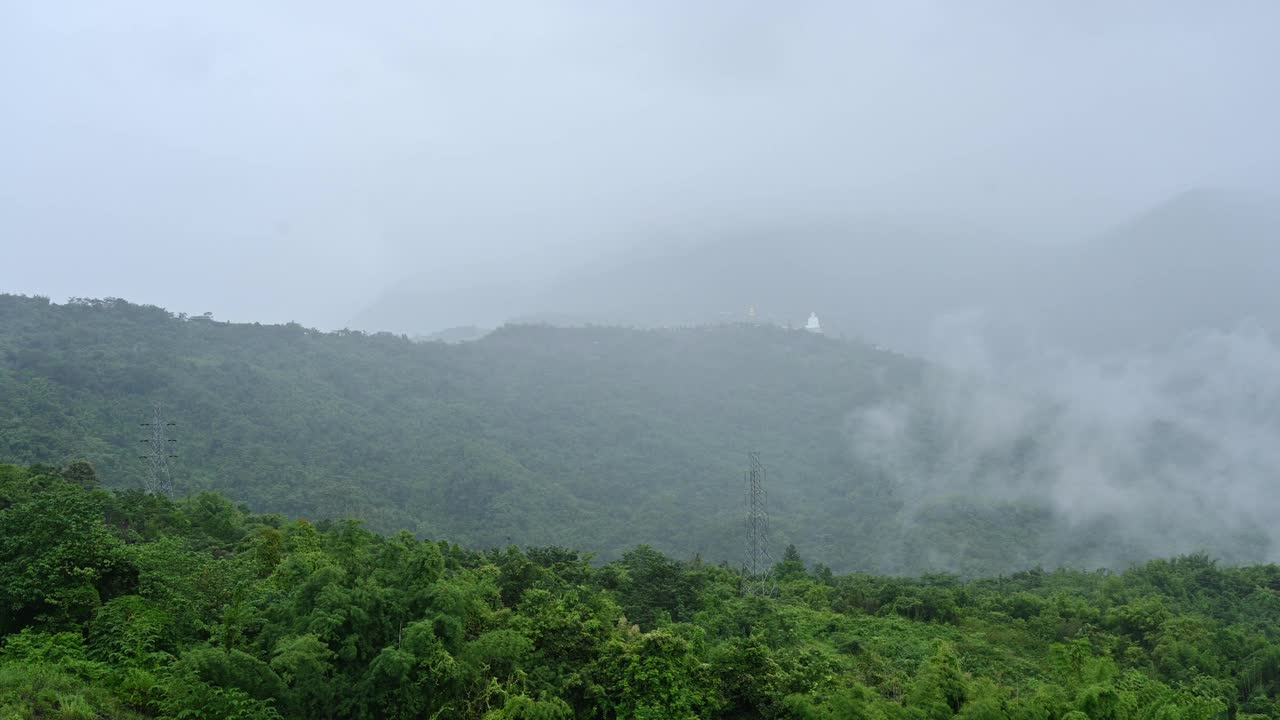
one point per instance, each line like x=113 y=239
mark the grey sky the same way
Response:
x=275 y=161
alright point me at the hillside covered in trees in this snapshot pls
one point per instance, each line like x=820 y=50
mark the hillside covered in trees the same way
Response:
x=594 y=437
x=126 y=605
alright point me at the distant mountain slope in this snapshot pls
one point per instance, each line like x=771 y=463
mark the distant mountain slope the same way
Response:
x=595 y=436
x=878 y=278
x=1203 y=259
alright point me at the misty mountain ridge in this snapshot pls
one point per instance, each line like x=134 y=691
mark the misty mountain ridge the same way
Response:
x=845 y=271
x=1204 y=259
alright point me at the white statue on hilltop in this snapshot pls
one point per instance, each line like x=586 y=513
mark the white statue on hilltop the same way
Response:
x=813 y=325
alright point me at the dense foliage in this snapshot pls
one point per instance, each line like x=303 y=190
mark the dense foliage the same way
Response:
x=125 y=605
x=592 y=437
x=585 y=437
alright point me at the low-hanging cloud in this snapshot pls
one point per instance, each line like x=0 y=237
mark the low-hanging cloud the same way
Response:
x=1169 y=450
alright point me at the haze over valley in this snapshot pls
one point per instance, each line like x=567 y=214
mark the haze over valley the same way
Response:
x=909 y=360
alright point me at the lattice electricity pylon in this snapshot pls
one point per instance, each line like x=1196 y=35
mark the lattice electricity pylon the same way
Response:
x=159 y=479
x=759 y=563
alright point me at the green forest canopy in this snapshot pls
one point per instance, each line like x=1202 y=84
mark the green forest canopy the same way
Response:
x=126 y=605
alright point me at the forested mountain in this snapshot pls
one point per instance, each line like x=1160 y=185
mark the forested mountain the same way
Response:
x=587 y=437
x=597 y=436
x=126 y=605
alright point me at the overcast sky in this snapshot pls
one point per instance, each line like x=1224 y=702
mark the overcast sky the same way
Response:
x=281 y=160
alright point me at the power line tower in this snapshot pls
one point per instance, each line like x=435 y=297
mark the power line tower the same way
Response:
x=759 y=562
x=159 y=480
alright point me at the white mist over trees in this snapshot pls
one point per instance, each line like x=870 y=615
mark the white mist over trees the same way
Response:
x=1169 y=450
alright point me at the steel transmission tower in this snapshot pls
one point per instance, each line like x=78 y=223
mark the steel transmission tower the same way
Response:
x=759 y=562
x=159 y=480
